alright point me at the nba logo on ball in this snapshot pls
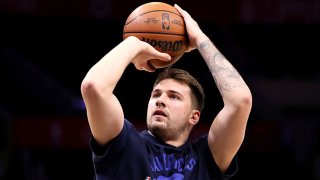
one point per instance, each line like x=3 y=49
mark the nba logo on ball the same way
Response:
x=160 y=25
x=165 y=21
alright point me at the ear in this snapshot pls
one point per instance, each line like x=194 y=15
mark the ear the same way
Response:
x=195 y=116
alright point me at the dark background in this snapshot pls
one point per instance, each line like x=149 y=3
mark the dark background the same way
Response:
x=46 y=48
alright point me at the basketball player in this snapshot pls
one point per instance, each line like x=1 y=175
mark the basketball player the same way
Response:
x=163 y=151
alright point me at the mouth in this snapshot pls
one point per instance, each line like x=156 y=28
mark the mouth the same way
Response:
x=159 y=112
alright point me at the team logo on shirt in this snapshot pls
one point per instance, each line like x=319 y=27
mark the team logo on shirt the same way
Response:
x=175 y=176
x=171 y=164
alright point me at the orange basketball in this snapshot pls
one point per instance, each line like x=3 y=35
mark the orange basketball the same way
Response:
x=160 y=25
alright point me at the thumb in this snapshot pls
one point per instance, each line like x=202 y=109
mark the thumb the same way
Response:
x=164 y=57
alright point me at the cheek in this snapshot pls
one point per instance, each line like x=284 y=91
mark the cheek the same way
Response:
x=150 y=105
x=184 y=110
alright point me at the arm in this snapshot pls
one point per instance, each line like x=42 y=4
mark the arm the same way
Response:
x=104 y=112
x=227 y=131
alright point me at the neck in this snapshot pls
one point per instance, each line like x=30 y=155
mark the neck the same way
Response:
x=176 y=143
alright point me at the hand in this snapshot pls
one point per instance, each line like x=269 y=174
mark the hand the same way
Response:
x=194 y=32
x=145 y=53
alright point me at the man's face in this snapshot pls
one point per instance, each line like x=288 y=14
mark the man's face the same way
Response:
x=169 y=109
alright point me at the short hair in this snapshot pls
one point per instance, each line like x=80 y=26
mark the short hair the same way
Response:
x=180 y=75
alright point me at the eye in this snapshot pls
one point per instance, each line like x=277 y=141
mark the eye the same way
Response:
x=155 y=95
x=175 y=97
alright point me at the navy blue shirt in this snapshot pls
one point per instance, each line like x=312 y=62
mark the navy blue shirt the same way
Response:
x=140 y=156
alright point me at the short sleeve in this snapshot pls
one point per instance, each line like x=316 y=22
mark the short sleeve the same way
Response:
x=232 y=169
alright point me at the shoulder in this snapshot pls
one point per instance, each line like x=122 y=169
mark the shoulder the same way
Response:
x=202 y=146
x=201 y=142
x=126 y=137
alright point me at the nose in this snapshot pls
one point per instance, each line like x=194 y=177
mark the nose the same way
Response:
x=160 y=104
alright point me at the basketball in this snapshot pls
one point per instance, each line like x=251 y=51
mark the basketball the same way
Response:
x=160 y=25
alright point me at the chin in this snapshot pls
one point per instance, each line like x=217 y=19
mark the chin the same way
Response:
x=157 y=127
x=158 y=132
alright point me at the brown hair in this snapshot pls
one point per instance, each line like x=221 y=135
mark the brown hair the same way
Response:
x=197 y=94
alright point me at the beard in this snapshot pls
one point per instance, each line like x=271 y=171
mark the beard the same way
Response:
x=165 y=130
x=160 y=130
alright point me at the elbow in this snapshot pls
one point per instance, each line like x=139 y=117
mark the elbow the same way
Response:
x=243 y=101
x=95 y=88
x=88 y=87
x=247 y=100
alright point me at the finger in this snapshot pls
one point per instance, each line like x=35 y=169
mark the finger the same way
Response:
x=149 y=67
x=164 y=57
x=188 y=50
x=178 y=7
x=138 y=67
x=182 y=12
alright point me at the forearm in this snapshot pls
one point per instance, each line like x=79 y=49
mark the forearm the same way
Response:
x=228 y=81
x=104 y=111
x=228 y=128
x=106 y=73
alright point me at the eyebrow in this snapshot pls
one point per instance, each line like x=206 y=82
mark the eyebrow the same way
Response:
x=170 y=91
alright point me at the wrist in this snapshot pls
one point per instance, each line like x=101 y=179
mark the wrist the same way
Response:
x=132 y=39
x=200 y=39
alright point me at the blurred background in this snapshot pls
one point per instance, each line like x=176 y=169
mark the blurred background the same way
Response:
x=47 y=46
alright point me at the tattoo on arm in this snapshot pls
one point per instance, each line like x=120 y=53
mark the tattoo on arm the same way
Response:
x=225 y=75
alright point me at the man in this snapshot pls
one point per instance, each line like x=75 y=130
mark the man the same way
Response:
x=163 y=151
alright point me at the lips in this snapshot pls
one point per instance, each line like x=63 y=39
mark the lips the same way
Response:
x=159 y=112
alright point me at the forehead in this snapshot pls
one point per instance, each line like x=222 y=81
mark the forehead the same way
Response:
x=172 y=85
